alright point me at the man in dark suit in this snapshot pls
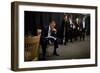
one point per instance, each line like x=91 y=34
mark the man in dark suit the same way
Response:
x=71 y=28
x=65 y=27
x=76 y=29
x=49 y=34
x=82 y=29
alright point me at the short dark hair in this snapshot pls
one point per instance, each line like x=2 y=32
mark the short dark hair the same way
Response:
x=52 y=21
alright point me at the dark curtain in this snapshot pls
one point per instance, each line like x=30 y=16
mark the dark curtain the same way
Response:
x=87 y=22
x=34 y=20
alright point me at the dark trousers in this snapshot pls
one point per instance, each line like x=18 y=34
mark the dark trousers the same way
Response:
x=44 y=43
x=75 y=34
x=63 y=37
x=66 y=36
x=82 y=34
x=70 y=35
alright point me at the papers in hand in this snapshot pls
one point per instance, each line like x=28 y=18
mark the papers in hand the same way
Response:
x=51 y=37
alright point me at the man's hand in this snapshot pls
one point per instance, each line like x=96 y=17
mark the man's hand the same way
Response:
x=54 y=30
x=39 y=31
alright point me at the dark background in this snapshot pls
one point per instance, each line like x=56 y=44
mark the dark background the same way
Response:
x=34 y=20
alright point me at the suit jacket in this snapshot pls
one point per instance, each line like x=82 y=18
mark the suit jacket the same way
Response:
x=45 y=30
x=65 y=27
x=76 y=26
x=81 y=26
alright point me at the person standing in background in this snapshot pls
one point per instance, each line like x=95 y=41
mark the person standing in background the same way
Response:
x=71 y=28
x=82 y=28
x=65 y=29
x=76 y=29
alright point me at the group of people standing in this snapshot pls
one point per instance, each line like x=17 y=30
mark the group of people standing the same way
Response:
x=70 y=30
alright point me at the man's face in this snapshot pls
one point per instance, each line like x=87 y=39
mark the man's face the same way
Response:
x=52 y=24
x=65 y=18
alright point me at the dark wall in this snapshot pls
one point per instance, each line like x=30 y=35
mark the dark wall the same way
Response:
x=30 y=23
x=34 y=20
x=87 y=22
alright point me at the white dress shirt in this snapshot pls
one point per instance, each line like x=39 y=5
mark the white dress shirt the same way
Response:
x=49 y=32
x=84 y=23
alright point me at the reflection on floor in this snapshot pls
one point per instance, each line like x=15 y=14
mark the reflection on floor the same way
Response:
x=76 y=50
